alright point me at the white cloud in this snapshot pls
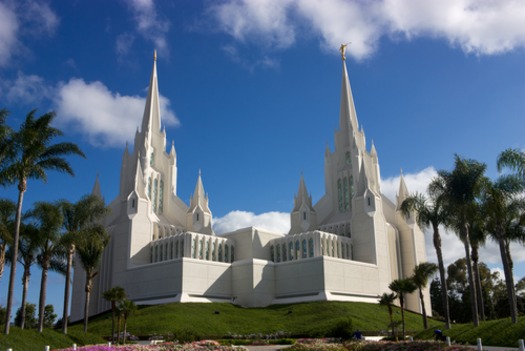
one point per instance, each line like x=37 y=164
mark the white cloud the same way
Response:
x=273 y=221
x=23 y=18
x=416 y=182
x=107 y=118
x=482 y=27
x=27 y=89
x=8 y=33
x=150 y=24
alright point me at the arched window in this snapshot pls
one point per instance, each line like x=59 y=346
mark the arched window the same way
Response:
x=291 y=256
x=304 y=215
x=152 y=159
x=278 y=252
x=214 y=251
x=304 y=249
x=284 y=253
x=193 y=248
x=161 y=196
x=226 y=253
x=220 y=252
x=297 y=250
x=272 y=253
x=207 y=250
x=352 y=190
x=348 y=158
x=155 y=193
x=200 y=249
x=311 y=247
x=149 y=188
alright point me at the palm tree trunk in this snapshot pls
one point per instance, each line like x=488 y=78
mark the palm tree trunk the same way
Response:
x=472 y=286
x=42 y=300
x=442 y=276
x=402 y=304
x=3 y=248
x=509 y=281
x=86 y=302
x=11 y=291
x=423 y=309
x=479 y=290
x=392 y=322
x=65 y=314
x=25 y=285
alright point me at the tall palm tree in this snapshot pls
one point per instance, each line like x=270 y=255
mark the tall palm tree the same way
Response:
x=431 y=213
x=7 y=221
x=90 y=248
x=503 y=210
x=114 y=295
x=33 y=155
x=477 y=239
x=513 y=159
x=48 y=219
x=27 y=257
x=78 y=217
x=422 y=273
x=461 y=188
x=402 y=287
x=388 y=301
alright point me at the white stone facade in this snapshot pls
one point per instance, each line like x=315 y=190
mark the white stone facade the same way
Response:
x=348 y=246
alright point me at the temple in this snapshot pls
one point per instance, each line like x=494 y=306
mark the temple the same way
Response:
x=348 y=246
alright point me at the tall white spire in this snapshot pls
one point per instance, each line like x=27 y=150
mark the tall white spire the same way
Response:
x=151 y=118
x=347 y=115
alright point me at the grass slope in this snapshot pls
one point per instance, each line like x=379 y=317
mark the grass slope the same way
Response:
x=500 y=332
x=30 y=340
x=220 y=319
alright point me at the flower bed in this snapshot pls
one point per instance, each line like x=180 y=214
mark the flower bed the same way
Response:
x=203 y=345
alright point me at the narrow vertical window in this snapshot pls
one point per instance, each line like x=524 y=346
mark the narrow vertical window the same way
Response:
x=226 y=253
x=297 y=252
x=152 y=159
x=340 y=195
x=272 y=253
x=304 y=215
x=232 y=254
x=368 y=200
x=220 y=253
x=352 y=190
x=284 y=253
x=161 y=196
x=155 y=193
x=290 y=248
x=346 y=193
x=278 y=253
x=304 y=249
x=311 y=247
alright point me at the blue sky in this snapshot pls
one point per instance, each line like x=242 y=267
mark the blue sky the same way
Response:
x=251 y=93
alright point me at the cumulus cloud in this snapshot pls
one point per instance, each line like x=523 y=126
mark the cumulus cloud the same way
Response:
x=28 y=89
x=149 y=23
x=483 y=27
x=273 y=221
x=8 y=32
x=105 y=117
x=24 y=18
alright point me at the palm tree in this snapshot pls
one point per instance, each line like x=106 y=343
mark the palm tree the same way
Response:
x=388 y=300
x=48 y=219
x=513 y=159
x=461 y=188
x=27 y=256
x=422 y=273
x=126 y=307
x=5 y=132
x=7 y=220
x=114 y=295
x=90 y=248
x=477 y=239
x=402 y=287
x=503 y=210
x=431 y=213
x=33 y=155
x=78 y=217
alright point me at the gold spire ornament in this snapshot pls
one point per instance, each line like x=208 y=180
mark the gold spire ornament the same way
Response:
x=342 y=49
x=155 y=55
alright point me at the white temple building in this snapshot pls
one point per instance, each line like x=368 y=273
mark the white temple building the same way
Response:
x=348 y=246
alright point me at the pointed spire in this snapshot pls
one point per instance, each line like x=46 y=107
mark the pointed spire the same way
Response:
x=347 y=114
x=151 y=118
x=402 y=193
x=172 y=150
x=373 y=151
x=199 y=196
x=302 y=196
x=96 y=188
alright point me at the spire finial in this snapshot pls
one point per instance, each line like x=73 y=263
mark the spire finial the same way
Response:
x=200 y=173
x=155 y=55
x=342 y=49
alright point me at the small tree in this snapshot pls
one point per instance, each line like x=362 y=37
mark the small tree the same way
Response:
x=388 y=301
x=402 y=287
x=49 y=316
x=29 y=316
x=126 y=307
x=114 y=295
x=422 y=273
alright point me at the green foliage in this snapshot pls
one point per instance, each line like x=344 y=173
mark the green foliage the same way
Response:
x=186 y=335
x=49 y=316
x=31 y=321
x=30 y=340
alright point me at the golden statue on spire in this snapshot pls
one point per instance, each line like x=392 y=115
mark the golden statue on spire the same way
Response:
x=342 y=49
x=155 y=55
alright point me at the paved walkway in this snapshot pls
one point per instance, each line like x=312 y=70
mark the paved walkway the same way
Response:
x=267 y=347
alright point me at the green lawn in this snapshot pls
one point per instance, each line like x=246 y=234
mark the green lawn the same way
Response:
x=218 y=320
